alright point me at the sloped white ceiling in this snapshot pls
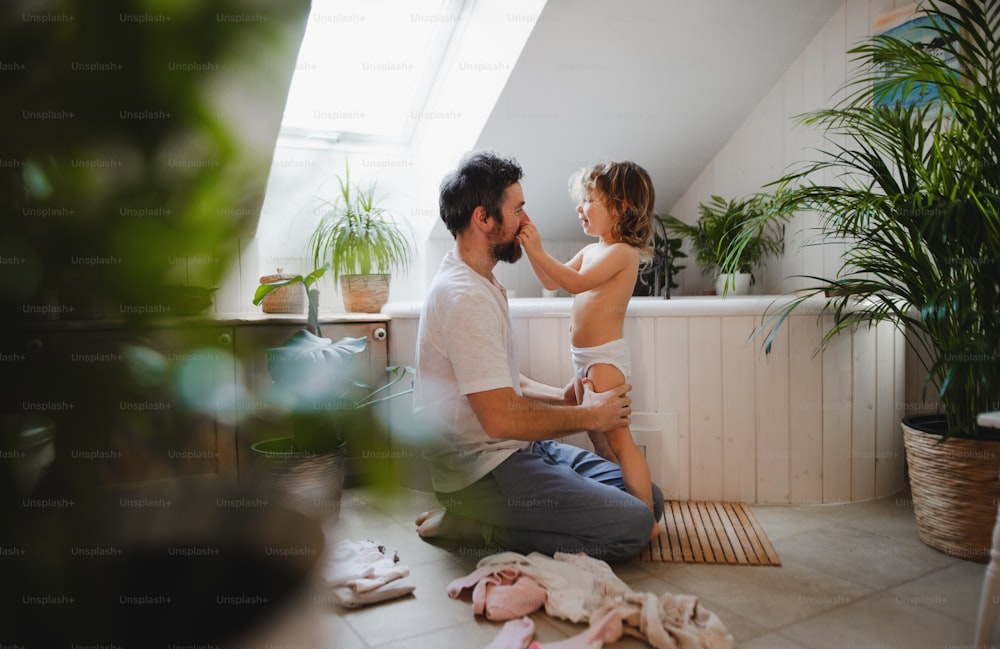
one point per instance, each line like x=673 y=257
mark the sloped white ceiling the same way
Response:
x=661 y=82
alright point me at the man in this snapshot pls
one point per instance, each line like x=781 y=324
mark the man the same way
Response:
x=494 y=465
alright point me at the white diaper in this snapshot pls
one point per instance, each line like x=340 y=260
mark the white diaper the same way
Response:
x=614 y=353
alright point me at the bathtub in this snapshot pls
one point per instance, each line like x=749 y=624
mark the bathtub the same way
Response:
x=717 y=418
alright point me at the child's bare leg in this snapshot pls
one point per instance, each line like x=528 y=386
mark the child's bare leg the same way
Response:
x=599 y=440
x=635 y=470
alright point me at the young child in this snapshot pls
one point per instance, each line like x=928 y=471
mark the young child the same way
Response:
x=615 y=204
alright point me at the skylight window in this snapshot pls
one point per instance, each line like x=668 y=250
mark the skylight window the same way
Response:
x=366 y=67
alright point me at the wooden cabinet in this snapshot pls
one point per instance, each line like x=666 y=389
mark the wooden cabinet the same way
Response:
x=163 y=400
x=126 y=403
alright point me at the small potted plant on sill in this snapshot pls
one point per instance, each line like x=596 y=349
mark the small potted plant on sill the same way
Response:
x=720 y=223
x=316 y=383
x=657 y=275
x=362 y=243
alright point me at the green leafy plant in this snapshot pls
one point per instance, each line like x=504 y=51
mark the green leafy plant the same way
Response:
x=356 y=236
x=915 y=148
x=316 y=379
x=308 y=281
x=752 y=220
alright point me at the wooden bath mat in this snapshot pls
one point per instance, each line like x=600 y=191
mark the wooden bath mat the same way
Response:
x=703 y=532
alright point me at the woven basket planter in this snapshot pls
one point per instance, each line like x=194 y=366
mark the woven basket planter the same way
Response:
x=955 y=487
x=287 y=299
x=311 y=483
x=364 y=293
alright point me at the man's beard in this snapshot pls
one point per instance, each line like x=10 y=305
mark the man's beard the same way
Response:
x=508 y=251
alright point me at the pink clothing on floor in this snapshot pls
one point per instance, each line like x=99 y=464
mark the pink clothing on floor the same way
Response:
x=500 y=595
x=580 y=588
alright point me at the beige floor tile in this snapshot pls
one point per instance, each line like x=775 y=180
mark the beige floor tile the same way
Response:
x=337 y=634
x=867 y=559
x=954 y=591
x=772 y=596
x=853 y=576
x=781 y=521
x=772 y=641
x=883 y=622
x=473 y=634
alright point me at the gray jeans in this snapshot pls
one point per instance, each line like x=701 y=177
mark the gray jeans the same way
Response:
x=556 y=497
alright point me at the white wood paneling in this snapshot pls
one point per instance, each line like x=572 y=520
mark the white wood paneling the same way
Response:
x=739 y=410
x=805 y=414
x=543 y=357
x=705 y=379
x=720 y=420
x=888 y=473
x=863 y=398
x=671 y=359
x=773 y=443
x=837 y=419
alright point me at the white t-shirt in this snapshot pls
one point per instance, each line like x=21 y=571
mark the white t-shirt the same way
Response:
x=465 y=344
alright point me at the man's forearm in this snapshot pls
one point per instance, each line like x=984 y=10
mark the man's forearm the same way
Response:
x=506 y=415
x=527 y=419
x=539 y=391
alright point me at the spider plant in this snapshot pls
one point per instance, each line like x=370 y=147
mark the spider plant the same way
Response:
x=356 y=236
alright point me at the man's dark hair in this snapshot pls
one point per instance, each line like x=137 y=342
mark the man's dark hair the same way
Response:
x=480 y=179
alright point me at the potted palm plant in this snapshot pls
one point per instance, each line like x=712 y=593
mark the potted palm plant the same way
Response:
x=317 y=384
x=917 y=207
x=362 y=242
x=720 y=222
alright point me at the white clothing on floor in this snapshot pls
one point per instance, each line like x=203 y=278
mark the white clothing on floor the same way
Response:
x=583 y=589
x=364 y=572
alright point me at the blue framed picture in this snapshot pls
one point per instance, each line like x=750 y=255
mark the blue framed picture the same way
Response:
x=914 y=26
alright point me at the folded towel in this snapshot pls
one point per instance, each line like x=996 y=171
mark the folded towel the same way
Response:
x=365 y=572
x=349 y=598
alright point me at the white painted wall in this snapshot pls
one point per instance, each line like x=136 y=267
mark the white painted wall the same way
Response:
x=770 y=141
x=763 y=147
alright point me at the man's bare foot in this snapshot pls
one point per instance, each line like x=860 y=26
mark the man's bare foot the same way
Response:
x=439 y=523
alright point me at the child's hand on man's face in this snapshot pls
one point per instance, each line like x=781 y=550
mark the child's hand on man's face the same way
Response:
x=528 y=237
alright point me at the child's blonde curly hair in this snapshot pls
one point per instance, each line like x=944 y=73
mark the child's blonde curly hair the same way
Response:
x=626 y=190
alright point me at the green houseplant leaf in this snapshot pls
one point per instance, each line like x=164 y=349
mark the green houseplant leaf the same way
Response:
x=917 y=202
x=735 y=235
x=315 y=369
x=316 y=379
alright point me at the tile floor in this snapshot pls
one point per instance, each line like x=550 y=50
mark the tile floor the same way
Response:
x=853 y=577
